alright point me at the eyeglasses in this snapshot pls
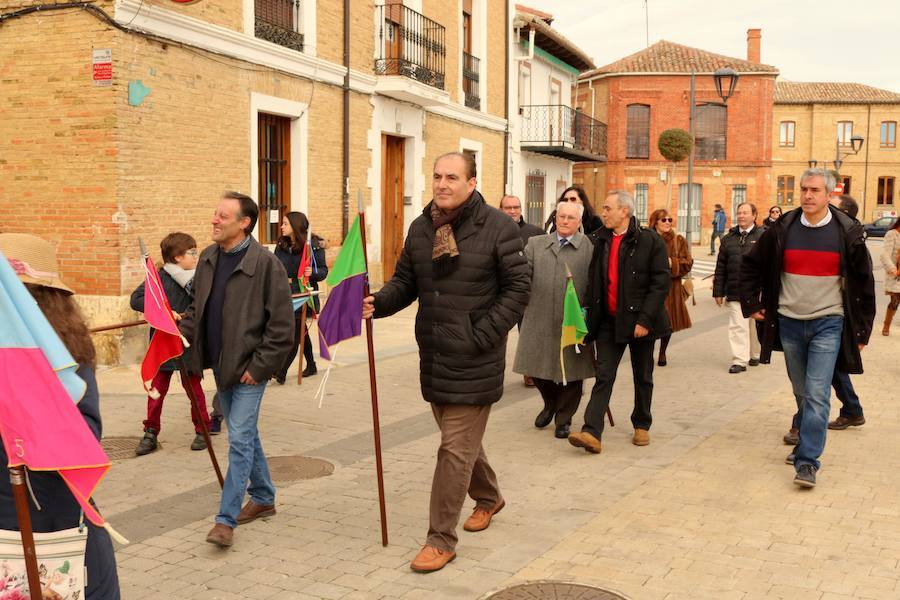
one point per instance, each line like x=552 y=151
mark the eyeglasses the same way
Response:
x=666 y=219
x=775 y=212
x=192 y=252
x=571 y=198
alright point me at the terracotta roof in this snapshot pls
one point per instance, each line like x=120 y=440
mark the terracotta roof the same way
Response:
x=668 y=57
x=796 y=92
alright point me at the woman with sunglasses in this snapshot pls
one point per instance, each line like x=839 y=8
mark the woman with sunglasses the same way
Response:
x=774 y=215
x=680 y=263
x=590 y=222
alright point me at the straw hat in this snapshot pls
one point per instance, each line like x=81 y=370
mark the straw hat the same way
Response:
x=33 y=259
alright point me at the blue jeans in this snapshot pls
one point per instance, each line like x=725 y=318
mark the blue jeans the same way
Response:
x=843 y=389
x=810 y=352
x=246 y=460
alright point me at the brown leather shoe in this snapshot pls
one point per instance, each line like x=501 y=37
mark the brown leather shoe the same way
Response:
x=481 y=518
x=583 y=439
x=792 y=437
x=431 y=559
x=843 y=422
x=221 y=535
x=253 y=511
x=641 y=437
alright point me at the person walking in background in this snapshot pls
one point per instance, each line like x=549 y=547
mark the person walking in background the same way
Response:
x=726 y=288
x=289 y=250
x=512 y=206
x=629 y=279
x=774 y=215
x=890 y=260
x=552 y=257
x=590 y=222
x=718 y=229
x=680 y=263
x=809 y=281
x=179 y=254
x=464 y=262
x=240 y=324
x=34 y=261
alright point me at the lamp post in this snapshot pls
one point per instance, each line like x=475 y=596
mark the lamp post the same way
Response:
x=856 y=144
x=725 y=80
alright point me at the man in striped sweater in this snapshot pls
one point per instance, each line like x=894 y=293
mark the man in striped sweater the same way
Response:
x=809 y=281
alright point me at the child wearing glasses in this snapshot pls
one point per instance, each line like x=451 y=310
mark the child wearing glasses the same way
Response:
x=179 y=253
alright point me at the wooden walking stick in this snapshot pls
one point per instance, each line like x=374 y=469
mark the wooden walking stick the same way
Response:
x=376 y=428
x=23 y=514
x=302 y=333
x=195 y=408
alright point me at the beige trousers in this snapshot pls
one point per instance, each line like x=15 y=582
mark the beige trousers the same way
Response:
x=461 y=468
x=741 y=336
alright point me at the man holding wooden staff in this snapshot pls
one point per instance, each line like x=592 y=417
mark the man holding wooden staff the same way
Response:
x=463 y=260
x=241 y=325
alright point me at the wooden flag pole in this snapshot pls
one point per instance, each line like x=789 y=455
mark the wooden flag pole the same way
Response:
x=23 y=514
x=372 y=385
x=195 y=408
x=302 y=333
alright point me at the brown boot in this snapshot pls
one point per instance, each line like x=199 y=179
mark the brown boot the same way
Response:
x=253 y=511
x=221 y=535
x=583 y=439
x=888 y=317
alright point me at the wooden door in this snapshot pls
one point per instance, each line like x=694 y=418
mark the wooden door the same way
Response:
x=391 y=202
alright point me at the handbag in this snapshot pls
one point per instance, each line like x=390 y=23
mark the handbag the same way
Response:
x=60 y=557
x=687 y=287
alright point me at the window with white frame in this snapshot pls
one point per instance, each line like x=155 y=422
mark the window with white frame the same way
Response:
x=641 y=194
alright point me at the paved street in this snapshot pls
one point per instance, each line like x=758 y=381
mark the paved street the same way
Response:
x=708 y=510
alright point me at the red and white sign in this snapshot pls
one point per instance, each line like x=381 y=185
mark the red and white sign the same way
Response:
x=838 y=189
x=102 y=67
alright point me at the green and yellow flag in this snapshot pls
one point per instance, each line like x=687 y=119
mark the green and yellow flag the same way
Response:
x=573 y=326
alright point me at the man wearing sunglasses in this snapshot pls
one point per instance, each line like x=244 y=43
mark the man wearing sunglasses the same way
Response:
x=727 y=287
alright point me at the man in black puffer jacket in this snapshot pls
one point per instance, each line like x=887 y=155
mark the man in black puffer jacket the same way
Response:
x=627 y=289
x=464 y=262
x=726 y=289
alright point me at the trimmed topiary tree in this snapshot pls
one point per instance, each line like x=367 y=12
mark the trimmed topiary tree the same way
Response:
x=675 y=146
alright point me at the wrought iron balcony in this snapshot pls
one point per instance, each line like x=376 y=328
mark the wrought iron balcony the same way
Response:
x=410 y=44
x=279 y=22
x=471 y=77
x=563 y=132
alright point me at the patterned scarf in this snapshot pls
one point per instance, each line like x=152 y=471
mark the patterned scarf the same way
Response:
x=444 y=250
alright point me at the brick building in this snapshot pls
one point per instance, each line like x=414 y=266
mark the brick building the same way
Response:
x=815 y=121
x=648 y=92
x=128 y=119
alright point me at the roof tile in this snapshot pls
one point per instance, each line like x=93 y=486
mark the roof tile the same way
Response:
x=795 y=92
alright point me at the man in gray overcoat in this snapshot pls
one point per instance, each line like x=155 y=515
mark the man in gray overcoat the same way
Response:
x=550 y=257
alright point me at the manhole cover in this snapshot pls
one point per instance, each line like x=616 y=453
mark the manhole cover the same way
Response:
x=295 y=468
x=121 y=447
x=554 y=590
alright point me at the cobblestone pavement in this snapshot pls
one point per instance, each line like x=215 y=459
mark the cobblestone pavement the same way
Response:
x=707 y=510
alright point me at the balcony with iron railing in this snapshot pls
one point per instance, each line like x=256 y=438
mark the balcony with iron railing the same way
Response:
x=280 y=22
x=562 y=131
x=410 y=45
x=471 y=79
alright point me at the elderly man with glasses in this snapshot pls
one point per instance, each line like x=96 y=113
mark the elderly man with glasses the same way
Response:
x=727 y=287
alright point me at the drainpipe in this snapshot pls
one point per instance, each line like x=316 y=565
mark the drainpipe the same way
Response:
x=866 y=170
x=506 y=189
x=345 y=205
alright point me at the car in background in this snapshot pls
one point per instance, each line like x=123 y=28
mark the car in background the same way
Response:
x=879 y=227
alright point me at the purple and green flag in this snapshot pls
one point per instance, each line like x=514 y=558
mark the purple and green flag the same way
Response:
x=341 y=317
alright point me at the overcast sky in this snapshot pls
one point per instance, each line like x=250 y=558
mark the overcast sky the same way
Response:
x=860 y=45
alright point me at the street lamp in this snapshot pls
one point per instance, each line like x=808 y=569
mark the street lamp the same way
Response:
x=813 y=163
x=856 y=143
x=726 y=80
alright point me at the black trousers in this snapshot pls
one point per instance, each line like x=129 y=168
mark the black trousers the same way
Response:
x=295 y=344
x=609 y=355
x=563 y=400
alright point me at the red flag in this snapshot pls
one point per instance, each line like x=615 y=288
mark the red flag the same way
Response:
x=304 y=264
x=166 y=342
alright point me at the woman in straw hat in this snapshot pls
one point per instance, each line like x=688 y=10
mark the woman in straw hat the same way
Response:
x=34 y=261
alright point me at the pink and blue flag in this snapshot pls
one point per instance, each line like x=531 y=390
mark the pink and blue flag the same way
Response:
x=40 y=424
x=341 y=317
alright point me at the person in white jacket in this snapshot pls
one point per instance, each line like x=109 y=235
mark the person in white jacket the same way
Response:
x=889 y=257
